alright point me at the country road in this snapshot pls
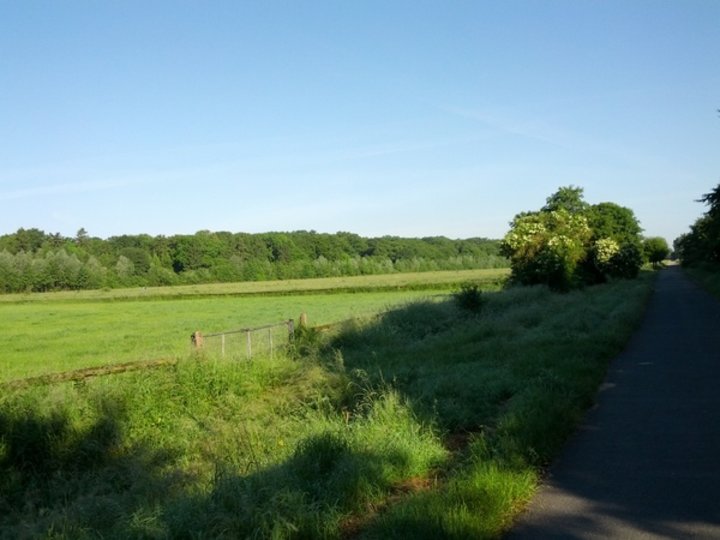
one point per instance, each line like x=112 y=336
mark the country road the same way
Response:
x=645 y=463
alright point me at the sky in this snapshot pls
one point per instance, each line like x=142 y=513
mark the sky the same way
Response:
x=410 y=118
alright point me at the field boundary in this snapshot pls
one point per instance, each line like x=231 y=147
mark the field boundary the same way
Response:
x=350 y=284
x=86 y=373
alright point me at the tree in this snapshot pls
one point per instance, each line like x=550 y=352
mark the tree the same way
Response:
x=81 y=237
x=656 y=249
x=610 y=220
x=617 y=244
x=569 y=243
x=547 y=247
x=568 y=198
x=702 y=243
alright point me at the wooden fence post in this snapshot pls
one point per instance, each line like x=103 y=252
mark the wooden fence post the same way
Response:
x=197 y=340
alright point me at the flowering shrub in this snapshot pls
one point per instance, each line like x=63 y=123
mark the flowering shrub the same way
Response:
x=569 y=243
x=546 y=247
x=605 y=250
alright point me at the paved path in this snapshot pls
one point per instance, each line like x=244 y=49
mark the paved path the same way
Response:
x=646 y=461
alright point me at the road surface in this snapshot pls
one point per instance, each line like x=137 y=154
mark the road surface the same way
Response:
x=646 y=461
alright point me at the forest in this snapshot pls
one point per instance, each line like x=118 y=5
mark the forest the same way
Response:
x=32 y=260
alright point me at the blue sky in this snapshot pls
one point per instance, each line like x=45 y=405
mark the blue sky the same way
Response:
x=376 y=117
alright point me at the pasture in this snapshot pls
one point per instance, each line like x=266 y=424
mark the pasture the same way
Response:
x=54 y=332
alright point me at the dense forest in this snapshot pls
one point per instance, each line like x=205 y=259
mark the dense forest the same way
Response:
x=33 y=260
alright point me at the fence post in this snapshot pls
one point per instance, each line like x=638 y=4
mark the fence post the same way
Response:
x=271 y=341
x=222 y=345
x=196 y=338
x=303 y=320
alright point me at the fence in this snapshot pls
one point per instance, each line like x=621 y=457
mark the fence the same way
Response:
x=246 y=342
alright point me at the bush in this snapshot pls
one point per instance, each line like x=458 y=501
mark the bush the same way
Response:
x=568 y=243
x=469 y=297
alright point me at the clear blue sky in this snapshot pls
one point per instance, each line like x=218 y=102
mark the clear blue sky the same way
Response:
x=376 y=117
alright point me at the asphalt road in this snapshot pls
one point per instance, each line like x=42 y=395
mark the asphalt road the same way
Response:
x=646 y=461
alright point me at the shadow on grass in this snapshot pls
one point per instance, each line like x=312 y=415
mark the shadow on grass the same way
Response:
x=65 y=481
x=510 y=382
x=73 y=482
x=308 y=496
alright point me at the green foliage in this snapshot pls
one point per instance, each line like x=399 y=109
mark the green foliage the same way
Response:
x=656 y=249
x=205 y=257
x=702 y=243
x=547 y=247
x=609 y=220
x=569 y=198
x=569 y=243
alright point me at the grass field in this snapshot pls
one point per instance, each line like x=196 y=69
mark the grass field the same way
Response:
x=55 y=332
x=44 y=337
x=400 y=281
x=429 y=421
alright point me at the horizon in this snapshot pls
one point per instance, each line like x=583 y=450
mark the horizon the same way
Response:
x=409 y=120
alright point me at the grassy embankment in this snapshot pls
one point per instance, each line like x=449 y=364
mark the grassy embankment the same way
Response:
x=706 y=275
x=53 y=332
x=429 y=421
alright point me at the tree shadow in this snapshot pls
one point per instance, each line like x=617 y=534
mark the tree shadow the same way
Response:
x=433 y=354
x=66 y=481
x=428 y=352
x=310 y=495
x=74 y=481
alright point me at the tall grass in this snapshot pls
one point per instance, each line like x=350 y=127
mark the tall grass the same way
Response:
x=512 y=382
x=429 y=421
x=707 y=275
x=212 y=449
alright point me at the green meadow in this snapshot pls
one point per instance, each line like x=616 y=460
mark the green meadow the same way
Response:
x=434 y=419
x=55 y=332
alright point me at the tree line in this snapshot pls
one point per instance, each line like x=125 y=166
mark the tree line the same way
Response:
x=33 y=260
x=701 y=246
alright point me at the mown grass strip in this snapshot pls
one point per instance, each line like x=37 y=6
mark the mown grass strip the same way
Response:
x=386 y=282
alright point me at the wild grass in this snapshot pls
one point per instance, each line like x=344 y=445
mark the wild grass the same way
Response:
x=212 y=449
x=707 y=275
x=512 y=381
x=430 y=421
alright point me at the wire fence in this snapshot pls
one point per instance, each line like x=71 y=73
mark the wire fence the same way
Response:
x=246 y=342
